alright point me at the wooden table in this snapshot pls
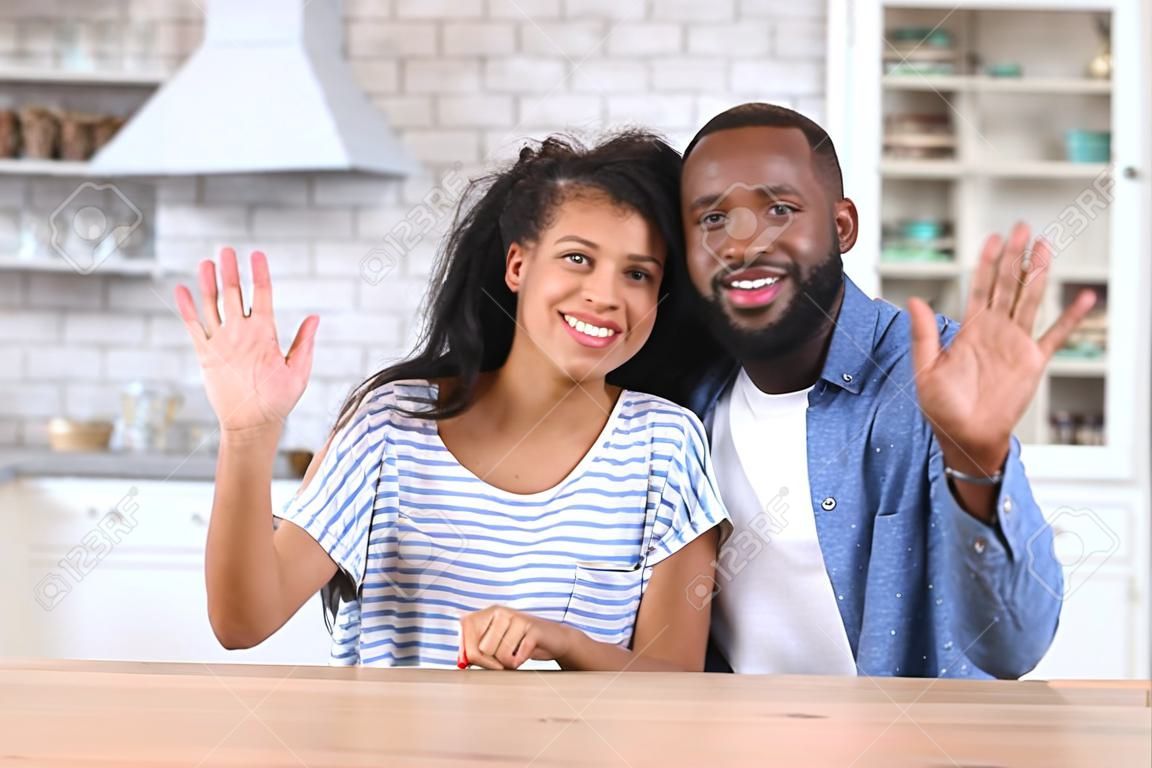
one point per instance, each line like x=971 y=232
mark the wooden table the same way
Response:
x=56 y=713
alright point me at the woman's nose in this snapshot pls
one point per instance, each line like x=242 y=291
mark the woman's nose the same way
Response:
x=601 y=290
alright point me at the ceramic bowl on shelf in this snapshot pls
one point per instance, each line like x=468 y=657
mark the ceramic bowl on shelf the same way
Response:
x=1088 y=146
x=1004 y=69
x=70 y=435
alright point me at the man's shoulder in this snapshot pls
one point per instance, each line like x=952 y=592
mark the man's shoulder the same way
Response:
x=893 y=340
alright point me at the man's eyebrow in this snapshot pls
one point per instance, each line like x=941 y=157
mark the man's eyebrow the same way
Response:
x=771 y=191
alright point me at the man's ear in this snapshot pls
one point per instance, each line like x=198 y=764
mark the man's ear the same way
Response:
x=514 y=267
x=847 y=224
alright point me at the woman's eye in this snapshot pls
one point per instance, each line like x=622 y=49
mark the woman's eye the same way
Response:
x=638 y=275
x=576 y=258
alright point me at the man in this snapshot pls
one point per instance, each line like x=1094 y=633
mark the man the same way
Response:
x=883 y=521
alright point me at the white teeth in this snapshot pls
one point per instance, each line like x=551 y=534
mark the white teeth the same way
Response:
x=587 y=329
x=751 y=285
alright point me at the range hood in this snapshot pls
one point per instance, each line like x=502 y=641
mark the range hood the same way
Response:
x=267 y=91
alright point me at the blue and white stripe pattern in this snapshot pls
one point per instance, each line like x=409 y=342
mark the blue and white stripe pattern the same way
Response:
x=424 y=540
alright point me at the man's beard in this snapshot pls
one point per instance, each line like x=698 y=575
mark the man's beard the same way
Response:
x=808 y=313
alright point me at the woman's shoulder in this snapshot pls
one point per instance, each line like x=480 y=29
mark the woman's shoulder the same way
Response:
x=390 y=405
x=659 y=415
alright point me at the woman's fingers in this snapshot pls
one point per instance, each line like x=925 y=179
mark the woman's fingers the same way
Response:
x=261 y=285
x=527 y=648
x=510 y=645
x=299 y=355
x=209 y=298
x=473 y=628
x=186 y=305
x=490 y=641
x=230 y=285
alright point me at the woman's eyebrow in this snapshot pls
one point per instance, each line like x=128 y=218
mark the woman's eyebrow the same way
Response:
x=593 y=246
x=645 y=257
x=578 y=239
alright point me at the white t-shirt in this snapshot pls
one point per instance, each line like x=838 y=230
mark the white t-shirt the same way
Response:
x=776 y=611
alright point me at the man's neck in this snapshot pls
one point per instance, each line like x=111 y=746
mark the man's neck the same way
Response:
x=799 y=367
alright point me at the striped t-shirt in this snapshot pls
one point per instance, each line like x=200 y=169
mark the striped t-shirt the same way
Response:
x=423 y=540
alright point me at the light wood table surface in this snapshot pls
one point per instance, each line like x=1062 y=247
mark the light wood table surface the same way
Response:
x=122 y=715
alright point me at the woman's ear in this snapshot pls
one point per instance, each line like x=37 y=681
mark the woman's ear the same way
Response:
x=514 y=267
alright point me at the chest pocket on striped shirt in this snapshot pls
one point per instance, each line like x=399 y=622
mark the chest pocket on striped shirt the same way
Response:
x=604 y=602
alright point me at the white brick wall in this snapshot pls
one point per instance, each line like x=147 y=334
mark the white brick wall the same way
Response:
x=462 y=81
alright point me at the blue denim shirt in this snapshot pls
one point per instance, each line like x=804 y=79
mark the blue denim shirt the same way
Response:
x=924 y=588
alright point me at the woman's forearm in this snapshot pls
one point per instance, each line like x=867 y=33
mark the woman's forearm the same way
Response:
x=588 y=655
x=241 y=568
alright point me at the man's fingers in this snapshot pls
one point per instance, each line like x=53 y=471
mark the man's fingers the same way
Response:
x=230 y=286
x=1007 y=289
x=1034 y=282
x=1055 y=337
x=209 y=298
x=984 y=278
x=925 y=335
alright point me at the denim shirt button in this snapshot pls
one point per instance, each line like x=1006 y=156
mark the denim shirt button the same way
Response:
x=979 y=545
x=828 y=504
x=1007 y=506
x=847 y=378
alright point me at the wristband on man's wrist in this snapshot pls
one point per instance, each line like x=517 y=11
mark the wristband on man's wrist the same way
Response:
x=956 y=474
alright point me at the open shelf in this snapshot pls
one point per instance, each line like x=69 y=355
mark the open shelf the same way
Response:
x=983 y=84
x=954 y=169
x=32 y=167
x=919 y=270
x=1040 y=169
x=48 y=76
x=921 y=169
x=123 y=267
x=1080 y=368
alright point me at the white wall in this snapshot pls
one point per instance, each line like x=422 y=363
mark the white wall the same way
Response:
x=462 y=81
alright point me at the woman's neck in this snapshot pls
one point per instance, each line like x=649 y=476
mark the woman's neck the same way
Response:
x=530 y=389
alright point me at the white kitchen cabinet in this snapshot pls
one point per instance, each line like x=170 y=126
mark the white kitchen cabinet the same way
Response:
x=113 y=569
x=1100 y=536
x=1008 y=160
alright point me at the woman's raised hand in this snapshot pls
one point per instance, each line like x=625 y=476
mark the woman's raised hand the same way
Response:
x=251 y=384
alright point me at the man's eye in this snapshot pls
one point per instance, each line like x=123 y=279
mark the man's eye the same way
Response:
x=781 y=209
x=712 y=220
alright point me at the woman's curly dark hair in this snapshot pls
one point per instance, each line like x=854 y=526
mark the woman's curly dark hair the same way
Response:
x=468 y=326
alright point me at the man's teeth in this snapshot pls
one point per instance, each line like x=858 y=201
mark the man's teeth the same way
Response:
x=588 y=329
x=752 y=285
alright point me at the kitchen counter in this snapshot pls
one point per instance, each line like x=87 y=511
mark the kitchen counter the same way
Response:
x=135 y=714
x=15 y=463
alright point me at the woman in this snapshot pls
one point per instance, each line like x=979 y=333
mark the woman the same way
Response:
x=494 y=498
